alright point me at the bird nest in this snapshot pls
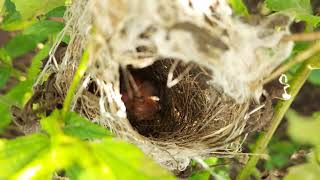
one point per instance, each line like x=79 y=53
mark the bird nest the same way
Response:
x=205 y=68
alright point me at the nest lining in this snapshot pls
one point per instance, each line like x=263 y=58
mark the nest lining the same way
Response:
x=212 y=108
x=195 y=120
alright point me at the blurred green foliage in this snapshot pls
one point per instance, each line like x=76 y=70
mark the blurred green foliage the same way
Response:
x=27 y=40
x=216 y=168
x=33 y=8
x=239 y=7
x=280 y=152
x=300 y=9
x=80 y=149
x=38 y=156
x=305 y=130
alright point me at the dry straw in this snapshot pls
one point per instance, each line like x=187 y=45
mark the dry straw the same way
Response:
x=213 y=104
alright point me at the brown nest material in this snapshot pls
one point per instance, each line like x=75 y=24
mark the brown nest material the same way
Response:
x=195 y=119
x=216 y=102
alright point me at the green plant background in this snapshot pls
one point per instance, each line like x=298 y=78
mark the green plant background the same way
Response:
x=66 y=136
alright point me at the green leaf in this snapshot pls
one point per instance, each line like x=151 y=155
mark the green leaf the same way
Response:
x=239 y=7
x=301 y=9
x=295 y=6
x=36 y=64
x=16 y=154
x=314 y=77
x=303 y=129
x=1 y=6
x=306 y=171
x=16 y=24
x=316 y=64
x=20 y=93
x=203 y=175
x=57 y=12
x=44 y=28
x=5 y=57
x=311 y=19
x=32 y=8
x=12 y=20
x=77 y=126
x=52 y=124
x=280 y=153
x=5 y=115
x=4 y=75
x=119 y=156
x=39 y=156
x=74 y=172
x=20 y=44
x=28 y=40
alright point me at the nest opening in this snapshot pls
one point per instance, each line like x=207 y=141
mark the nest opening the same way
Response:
x=192 y=111
x=195 y=116
x=178 y=112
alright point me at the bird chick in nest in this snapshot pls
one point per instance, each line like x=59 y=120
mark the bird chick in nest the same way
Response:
x=140 y=97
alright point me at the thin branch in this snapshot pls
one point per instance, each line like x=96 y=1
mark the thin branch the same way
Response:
x=312 y=36
x=280 y=110
x=297 y=59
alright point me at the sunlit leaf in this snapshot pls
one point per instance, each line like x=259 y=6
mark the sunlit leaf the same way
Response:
x=4 y=75
x=5 y=115
x=213 y=171
x=316 y=64
x=301 y=9
x=75 y=125
x=297 y=6
x=5 y=67
x=74 y=172
x=15 y=154
x=1 y=6
x=5 y=57
x=307 y=171
x=32 y=8
x=203 y=175
x=239 y=7
x=308 y=125
x=119 y=156
x=12 y=20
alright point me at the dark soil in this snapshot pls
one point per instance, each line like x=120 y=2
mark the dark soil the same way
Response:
x=308 y=100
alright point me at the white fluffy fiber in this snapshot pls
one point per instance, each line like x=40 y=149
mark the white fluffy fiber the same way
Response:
x=254 y=51
x=113 y=29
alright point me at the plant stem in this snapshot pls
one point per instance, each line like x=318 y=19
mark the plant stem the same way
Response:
x=311 y=36
x=280 y=110
x=74 y=84
x=297 y=59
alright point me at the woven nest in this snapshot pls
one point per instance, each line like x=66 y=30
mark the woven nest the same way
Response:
x=210 y=109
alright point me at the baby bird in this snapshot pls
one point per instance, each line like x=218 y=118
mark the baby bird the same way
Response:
x=140 y=97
